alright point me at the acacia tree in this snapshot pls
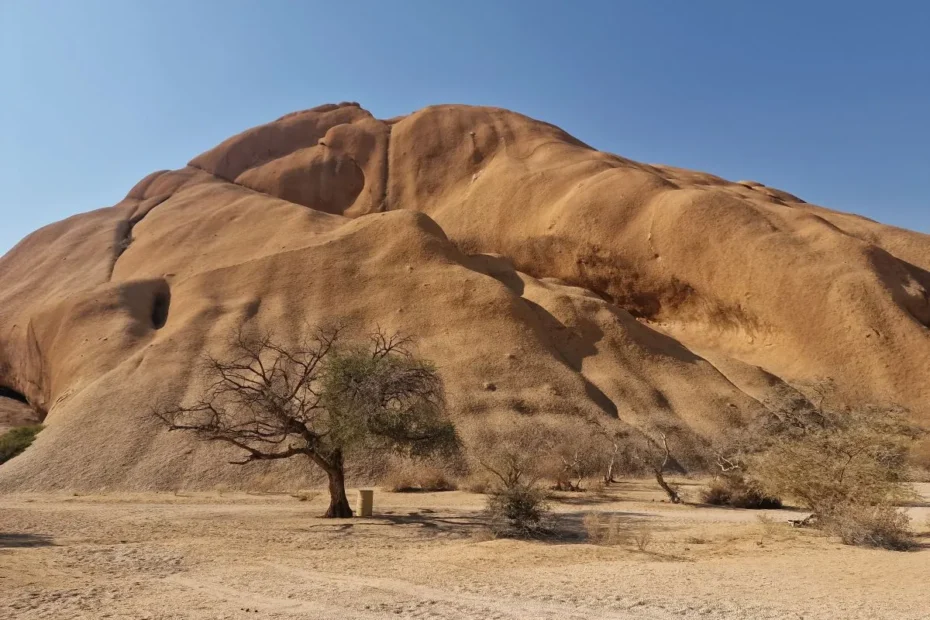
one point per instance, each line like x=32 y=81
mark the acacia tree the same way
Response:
x=830 y=460
x=320 y=400
x=848 y=466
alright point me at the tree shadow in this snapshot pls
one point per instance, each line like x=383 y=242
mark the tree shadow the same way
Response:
x=425 y=521
x=921 y=542
x=559 y=528
x=428 y=520
x=572 y=527
x=9 y=540
x=584 y=498
x=725 y=507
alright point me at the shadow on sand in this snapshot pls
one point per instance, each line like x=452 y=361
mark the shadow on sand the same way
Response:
x=9 y=540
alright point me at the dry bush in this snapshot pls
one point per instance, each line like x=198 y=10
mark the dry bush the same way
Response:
x=920 y=460
x=568 y=450
x=605 y=529
x=514 y=451
x=642 y=538
x=418 y=476
x=769 y=527
x=477 y=482
x=879 y=526
x=483 y=534
x=597 y=486
x=565 y=449
x=617 y=448
x=716 y=494
x=579 y=451
x=572 y=452
x=511 y=450
x=621 y=449
x=736 y=492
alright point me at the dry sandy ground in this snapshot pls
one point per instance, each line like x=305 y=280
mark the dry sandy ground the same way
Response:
x=214 y=555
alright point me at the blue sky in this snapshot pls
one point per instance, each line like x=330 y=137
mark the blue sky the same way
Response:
x=827 y=100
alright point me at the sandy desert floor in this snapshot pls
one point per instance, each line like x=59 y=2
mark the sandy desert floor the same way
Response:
x=239 y=555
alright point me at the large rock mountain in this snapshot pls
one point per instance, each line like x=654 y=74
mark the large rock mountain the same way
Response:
x=542 y=275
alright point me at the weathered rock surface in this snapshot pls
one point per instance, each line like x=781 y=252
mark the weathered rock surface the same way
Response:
x=572 y=280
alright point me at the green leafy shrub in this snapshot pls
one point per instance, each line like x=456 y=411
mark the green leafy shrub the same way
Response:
x=518 y=511
x=16 y=440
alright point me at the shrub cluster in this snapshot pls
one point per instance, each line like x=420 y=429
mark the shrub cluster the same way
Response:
x=736 y=492
x=418 y=476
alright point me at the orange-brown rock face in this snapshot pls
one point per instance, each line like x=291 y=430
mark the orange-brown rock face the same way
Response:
x=573 y=280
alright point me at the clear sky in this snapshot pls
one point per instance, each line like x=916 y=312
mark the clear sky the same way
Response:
x=827 y=100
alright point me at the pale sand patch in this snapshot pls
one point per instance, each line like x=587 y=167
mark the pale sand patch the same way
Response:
x=212 y=555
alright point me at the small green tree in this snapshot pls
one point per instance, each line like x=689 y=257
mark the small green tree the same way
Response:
x=320 y=400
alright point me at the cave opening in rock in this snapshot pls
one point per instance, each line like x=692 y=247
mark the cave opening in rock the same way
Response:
x=12 y=394
x=160 y=307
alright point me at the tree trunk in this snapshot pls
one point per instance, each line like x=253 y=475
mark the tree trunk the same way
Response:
x=338 y=502
x=672 y=493
x=609 y=476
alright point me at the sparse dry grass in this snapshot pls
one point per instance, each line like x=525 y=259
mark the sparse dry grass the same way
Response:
x=476 y=482
x=767 y=524
x=770 y=530
x=605 y=529
x=305 y=496
x=228 y=544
